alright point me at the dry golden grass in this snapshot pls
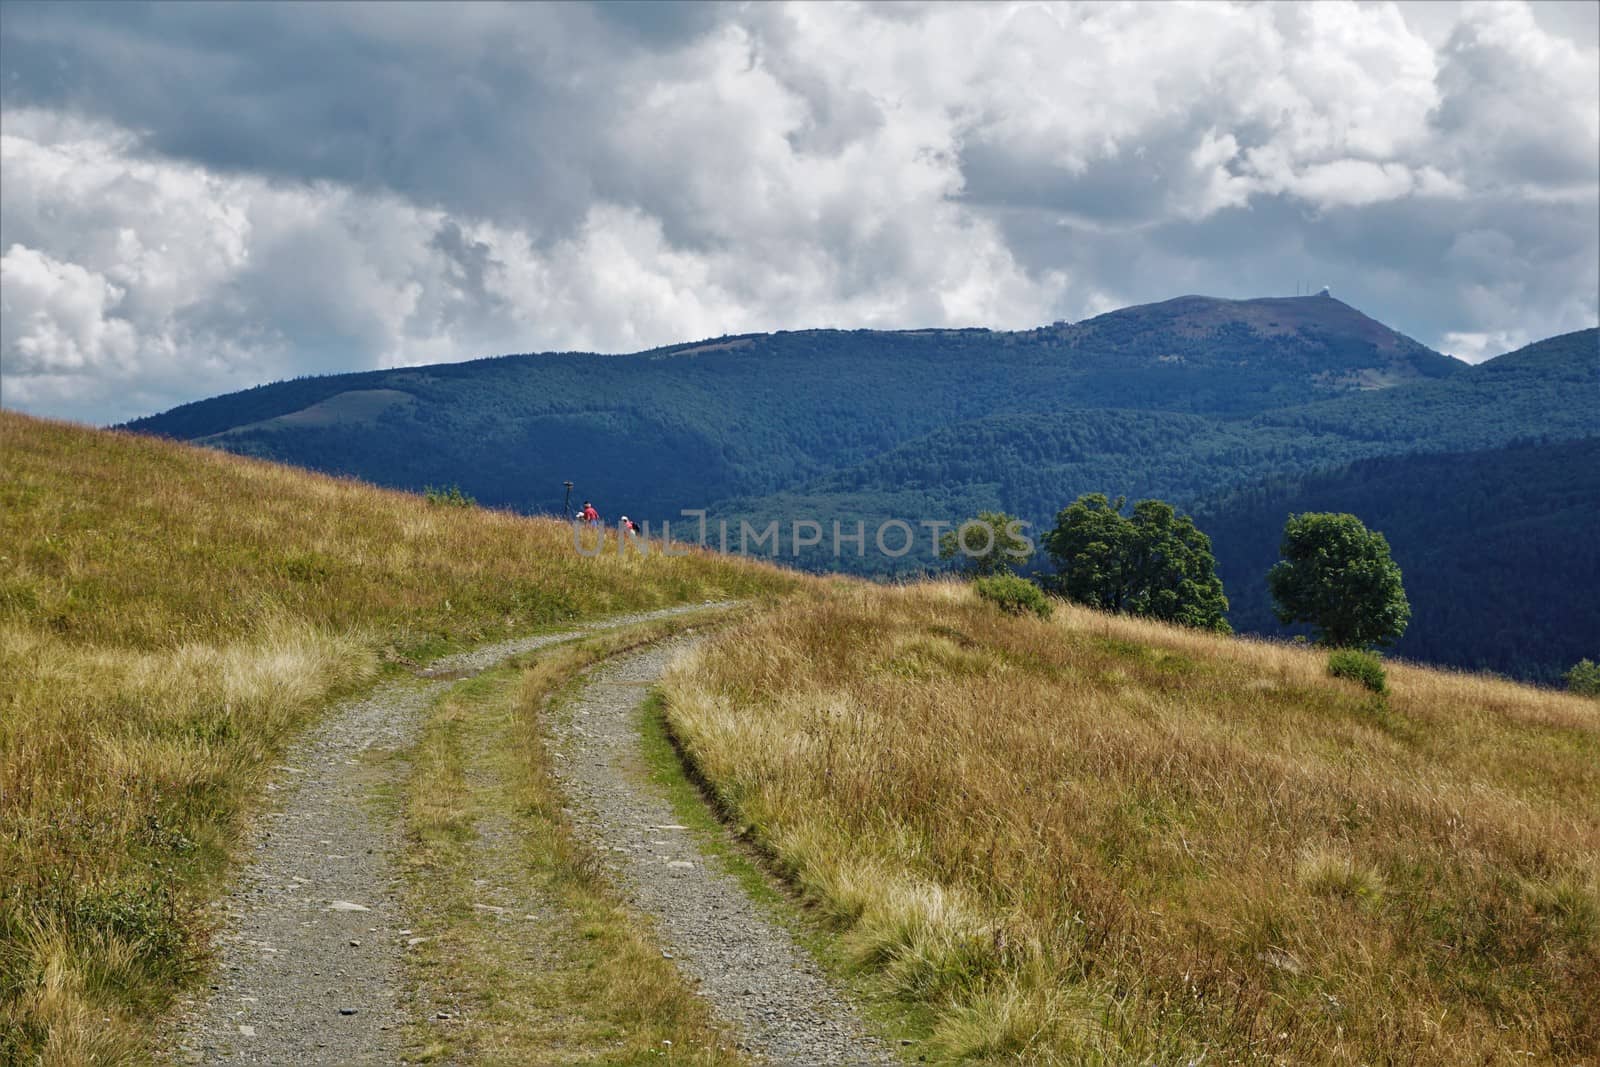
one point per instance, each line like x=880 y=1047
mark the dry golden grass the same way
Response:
x=169 y=616
x=1097 y=839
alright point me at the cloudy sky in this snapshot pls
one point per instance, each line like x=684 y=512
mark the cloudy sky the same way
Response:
x=199 y=197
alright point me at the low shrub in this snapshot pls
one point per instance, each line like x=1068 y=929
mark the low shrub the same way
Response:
x=452 y=497
x=1359 y=666
x=1584 y=678
x=1013 y=595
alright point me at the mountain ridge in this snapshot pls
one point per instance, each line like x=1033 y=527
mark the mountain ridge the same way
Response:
x=1075 y=336
x=755 y=414
x=1188 y=399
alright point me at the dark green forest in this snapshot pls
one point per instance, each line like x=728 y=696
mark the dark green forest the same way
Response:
x=1189 y=400
x=693 y=425
x=1499 y=549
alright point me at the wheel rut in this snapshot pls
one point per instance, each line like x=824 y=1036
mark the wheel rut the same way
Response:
x=751 y=969
x=313 y=932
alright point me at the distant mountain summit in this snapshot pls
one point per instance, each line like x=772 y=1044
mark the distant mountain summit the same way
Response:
x=1324 y=338
x=1306 y=316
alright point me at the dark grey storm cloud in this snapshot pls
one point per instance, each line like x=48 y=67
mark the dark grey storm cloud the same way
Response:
x=475 y=110
x=200 y=196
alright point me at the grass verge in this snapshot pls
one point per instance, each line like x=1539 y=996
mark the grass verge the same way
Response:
x=1096 y=839
x=530 y=956
x=903 y=1024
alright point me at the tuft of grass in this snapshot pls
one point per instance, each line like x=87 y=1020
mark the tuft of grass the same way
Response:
x=169 y=618
x=1358 y=666
x=1102 y=839
x=1328 y=871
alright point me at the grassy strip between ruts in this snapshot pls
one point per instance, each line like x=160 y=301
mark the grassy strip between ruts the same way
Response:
x=525 y=953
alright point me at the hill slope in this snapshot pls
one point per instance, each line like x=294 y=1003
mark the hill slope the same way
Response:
x=1089 y=837
x=1099 y=840
x=169 y=617
x=691 y=425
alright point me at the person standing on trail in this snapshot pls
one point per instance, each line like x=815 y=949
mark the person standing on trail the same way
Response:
x=590 y=515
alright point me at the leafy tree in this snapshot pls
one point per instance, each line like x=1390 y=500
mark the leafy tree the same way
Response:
x=1338 y=576
x=992 y=543
x=1584 y=678
x=1152 y=562
x=1497 y=546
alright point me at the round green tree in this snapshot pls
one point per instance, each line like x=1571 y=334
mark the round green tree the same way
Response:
x=1338 y=576
x=1584 y=678
x=992 y=543
x=1151 y=562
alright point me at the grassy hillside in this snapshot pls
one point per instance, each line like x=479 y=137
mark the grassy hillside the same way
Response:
x=1094 y=839
x=1498 y=550
x=1083 y=839
x=169 y=616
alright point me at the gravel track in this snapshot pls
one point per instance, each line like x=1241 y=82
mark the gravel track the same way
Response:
x=749 y=968
x=313 y=931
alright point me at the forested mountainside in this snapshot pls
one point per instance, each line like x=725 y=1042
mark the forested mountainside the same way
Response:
x=1499 y=549
x=696 y=424
x=1188 y=400
x=1022 y=461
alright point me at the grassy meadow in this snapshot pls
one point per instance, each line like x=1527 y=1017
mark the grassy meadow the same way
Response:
x=169 y=617
x=1076 y=839
x=1097 y=839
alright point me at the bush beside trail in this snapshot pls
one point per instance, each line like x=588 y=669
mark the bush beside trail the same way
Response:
x=1358 y=666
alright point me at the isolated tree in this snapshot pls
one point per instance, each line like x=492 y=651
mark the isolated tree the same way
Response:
x=992 y=543
x=1584 y=678
x=1338 y=576
x=1152 y=562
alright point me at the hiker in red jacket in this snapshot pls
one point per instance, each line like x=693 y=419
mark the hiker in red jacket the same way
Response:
x=589 y=514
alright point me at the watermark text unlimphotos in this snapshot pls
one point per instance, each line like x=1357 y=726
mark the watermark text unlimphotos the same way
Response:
x=890 y=538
